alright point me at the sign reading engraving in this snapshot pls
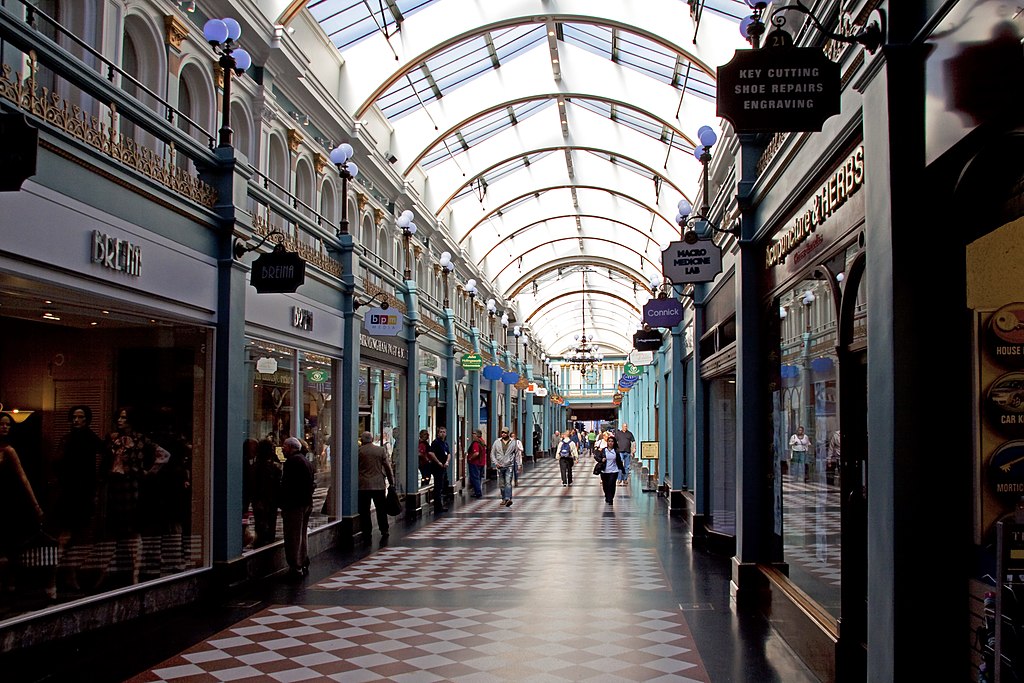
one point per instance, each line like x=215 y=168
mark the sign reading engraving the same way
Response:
x=778 y=89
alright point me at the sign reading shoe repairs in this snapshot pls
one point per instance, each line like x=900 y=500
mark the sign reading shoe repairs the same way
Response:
x=778 y=89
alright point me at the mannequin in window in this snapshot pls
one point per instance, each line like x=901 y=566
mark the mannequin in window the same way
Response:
x=22 y=514
x=81 y=453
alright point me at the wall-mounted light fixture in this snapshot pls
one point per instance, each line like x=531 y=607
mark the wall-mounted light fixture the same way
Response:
x=223 y=34
x=686 y=219
x=470 y=288
x=15 y=414
x=340 y=157
x=447 y=266
x=408 y=230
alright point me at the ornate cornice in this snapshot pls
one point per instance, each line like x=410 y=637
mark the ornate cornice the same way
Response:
x=294 y=139
x=319 y=163
x=175 y=31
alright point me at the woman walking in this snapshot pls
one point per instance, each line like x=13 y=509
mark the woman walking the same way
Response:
x=612 y=462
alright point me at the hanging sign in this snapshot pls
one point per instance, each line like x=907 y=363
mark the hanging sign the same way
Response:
x=647 y=340
x=278 y=272
x=665 y=312
x=540 y=392
x=630 y=369
x=383 y=322
x=778 y=89
x=684 y=263
x=641 y=358
x=471 y=361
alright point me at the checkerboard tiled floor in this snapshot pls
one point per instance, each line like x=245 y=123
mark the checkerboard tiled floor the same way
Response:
x=353 y=643
x=558 y=587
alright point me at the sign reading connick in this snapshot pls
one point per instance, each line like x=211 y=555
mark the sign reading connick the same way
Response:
x=698 y=262
x=663 y=313
x=778 y=89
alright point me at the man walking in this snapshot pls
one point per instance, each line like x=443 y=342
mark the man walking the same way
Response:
x=567 y=456
x=439 y=454
x=626 y=445
x=296 y=502
x=505 y=459
x=375 y=473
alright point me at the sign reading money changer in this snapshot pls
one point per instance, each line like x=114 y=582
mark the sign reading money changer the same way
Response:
x=683 y=263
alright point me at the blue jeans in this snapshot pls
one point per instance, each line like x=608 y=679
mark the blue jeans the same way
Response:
x=505 y=475
x=624 y=474
x=476 y=479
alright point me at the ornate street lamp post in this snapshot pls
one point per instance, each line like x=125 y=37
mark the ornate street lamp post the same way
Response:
x=223 y=34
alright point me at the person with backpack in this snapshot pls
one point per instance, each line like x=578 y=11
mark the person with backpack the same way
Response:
x=567 y=456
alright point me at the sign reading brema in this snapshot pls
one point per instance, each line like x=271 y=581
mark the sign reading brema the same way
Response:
x=381 y=322
x=699 y=262
x=663 y=313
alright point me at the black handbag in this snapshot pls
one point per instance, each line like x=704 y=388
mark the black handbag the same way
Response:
x=599 y=467
x=392 y=505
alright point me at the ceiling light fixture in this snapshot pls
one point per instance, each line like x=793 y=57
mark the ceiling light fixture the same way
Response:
x=586 y=355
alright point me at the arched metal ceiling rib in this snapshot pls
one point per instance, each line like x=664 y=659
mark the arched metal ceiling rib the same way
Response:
x=378 y=63
x=585 y=125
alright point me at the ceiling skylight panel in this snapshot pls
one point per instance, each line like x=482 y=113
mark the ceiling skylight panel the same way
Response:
x=406 y=94
x=512 y=41
x=504 y=170
x=348 y=22
x=631 y=119
x=646 y=56
x=481 y=129
x=594 y=39
x=460 y=63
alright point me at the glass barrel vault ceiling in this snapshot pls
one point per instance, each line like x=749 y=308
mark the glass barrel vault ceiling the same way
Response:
x=557 y=136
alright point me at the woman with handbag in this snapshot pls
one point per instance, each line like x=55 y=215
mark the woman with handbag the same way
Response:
x=609 y=464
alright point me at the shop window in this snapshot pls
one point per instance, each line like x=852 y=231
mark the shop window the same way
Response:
x=124 y=500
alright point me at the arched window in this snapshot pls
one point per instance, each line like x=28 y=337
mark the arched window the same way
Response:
x=304 y=187
x=242 y=138
x=277 y=168
x=329 y=203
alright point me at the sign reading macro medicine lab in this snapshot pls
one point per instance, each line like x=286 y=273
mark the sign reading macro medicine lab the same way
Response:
x=684 y=263
x=383 y=322
x=665 y=312
x=778 y=88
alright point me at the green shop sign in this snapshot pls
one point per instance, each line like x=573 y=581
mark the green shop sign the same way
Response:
x=472 y=361
x=631 y=370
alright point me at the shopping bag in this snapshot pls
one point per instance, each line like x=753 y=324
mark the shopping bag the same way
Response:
x=392 y=505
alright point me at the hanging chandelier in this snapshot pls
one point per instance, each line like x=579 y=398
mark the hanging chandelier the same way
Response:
x=586 y=355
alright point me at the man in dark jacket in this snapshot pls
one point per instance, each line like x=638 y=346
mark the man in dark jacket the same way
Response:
x=296 y=502
x=439 y=454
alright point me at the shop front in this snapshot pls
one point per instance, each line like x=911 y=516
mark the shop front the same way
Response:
x=105 y=398
x=813 y=266
x=382 y=377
